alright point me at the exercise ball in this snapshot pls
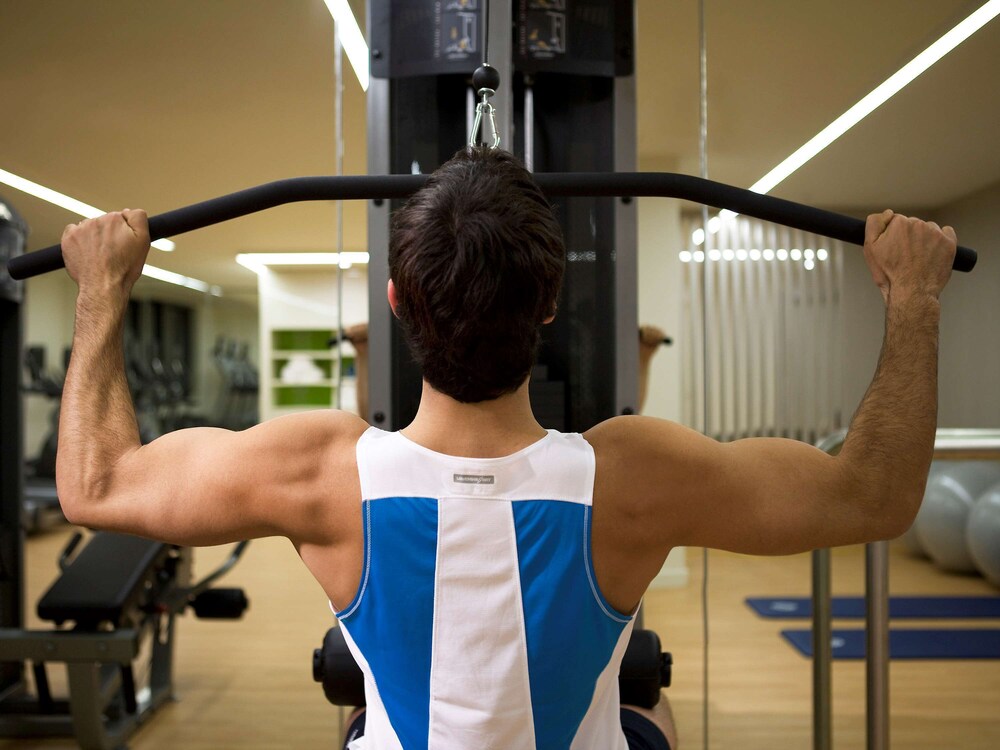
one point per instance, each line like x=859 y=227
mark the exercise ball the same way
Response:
x=944 y=514
x=983 y=534
x=909 y=538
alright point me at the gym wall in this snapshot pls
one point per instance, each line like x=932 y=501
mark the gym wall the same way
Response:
x=970 y=320
x=660 y=299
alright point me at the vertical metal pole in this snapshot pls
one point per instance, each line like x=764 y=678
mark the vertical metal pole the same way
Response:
x=626 y=254
x=379 y=316
x=11 y=477
x=877 y=654
x=822 y=651
x=501 y=19
x=470 y=109
x=529 y=124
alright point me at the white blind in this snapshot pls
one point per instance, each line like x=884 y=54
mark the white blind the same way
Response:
x=770 y=297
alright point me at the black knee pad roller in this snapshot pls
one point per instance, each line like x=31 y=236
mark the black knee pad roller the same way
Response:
x=645 y=669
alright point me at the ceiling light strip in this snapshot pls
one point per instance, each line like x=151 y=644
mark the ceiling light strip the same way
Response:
x=882 y=93
x=879 y=96
x=161 y=274
x=351 y=38
x=64 y=201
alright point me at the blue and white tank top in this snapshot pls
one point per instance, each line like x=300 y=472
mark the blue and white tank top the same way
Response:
x=478 y=622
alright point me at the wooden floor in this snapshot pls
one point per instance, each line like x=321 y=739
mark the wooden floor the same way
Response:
x=248 y=684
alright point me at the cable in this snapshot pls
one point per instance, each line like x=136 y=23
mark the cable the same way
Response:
x=486 y=32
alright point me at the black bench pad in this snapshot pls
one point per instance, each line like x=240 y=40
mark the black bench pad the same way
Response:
x=103 y=580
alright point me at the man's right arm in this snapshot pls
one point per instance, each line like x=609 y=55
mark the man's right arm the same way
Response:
x=773 y=496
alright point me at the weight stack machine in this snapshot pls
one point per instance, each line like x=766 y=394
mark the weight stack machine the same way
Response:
x=13 y=232
x=566 y=103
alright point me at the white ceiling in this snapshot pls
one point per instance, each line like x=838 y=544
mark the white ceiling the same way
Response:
x=159 y=105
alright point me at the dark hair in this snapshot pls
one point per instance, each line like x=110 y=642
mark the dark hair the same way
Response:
x=477 y=259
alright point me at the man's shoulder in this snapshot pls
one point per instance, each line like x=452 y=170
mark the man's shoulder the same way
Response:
x=323 y=429
x=627 y=434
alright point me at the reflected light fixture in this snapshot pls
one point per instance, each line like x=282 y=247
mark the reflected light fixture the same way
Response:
x=258 y=262
x=64 y=201
x=170 y=277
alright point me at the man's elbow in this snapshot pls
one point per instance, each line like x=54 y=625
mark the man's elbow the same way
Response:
x=883 y=508
x=894 y=512
x=79 y=499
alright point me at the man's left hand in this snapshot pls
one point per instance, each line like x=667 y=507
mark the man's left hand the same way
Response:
x=107 y=253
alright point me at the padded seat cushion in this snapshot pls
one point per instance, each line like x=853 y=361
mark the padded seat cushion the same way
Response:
x=103 y=580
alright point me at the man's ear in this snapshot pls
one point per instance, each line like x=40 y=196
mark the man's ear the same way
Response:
x=390 y=292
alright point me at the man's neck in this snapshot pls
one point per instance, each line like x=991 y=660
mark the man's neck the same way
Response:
x=488 y=429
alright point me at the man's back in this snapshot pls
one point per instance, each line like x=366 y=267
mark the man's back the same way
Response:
x=476 y=260
x=478 y=620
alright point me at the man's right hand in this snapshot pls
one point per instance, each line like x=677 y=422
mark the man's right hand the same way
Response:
x=908 y=257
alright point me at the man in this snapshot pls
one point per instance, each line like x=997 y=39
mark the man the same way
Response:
x=485 y=570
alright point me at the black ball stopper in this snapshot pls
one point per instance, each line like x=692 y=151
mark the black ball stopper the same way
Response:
x=486 y=77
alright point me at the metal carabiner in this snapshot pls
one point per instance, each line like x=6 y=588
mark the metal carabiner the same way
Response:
x=485 y=110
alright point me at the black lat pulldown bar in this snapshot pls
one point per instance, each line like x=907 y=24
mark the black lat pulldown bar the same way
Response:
x=590 y=184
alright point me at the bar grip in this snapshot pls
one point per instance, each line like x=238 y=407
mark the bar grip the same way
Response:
x=589 y=184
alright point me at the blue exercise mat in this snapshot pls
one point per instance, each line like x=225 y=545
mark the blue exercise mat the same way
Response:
x=908 y=644
x=900 y=607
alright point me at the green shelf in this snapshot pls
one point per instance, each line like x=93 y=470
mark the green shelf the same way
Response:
x=301 y=340
x=303 y=395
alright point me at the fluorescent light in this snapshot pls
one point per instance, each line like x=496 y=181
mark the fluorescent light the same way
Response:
x=728 y=255
x=809 y=264
x=257 y=262
x=714 y=255
x=741 y=254
x=698 y=236
x=768 y=254
x=685 y=256
x=808 y=254
x=796 y=254
x=64 y=201
x=351 y=38
x=175 y=278
x=755 y=255
x=714 y=224
x=821 y=254
x=782 y=254
x=879 y=95
x=699 y=256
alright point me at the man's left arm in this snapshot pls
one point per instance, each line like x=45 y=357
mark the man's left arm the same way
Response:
x=290 y=476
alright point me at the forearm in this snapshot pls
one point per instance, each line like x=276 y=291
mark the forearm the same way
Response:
x=891 y=440
x=97 y=424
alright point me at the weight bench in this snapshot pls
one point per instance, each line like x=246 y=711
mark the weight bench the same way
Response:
x=122 y=594
x=645 y=669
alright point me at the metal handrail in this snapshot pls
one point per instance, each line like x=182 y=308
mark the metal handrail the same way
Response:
x=964 y=444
